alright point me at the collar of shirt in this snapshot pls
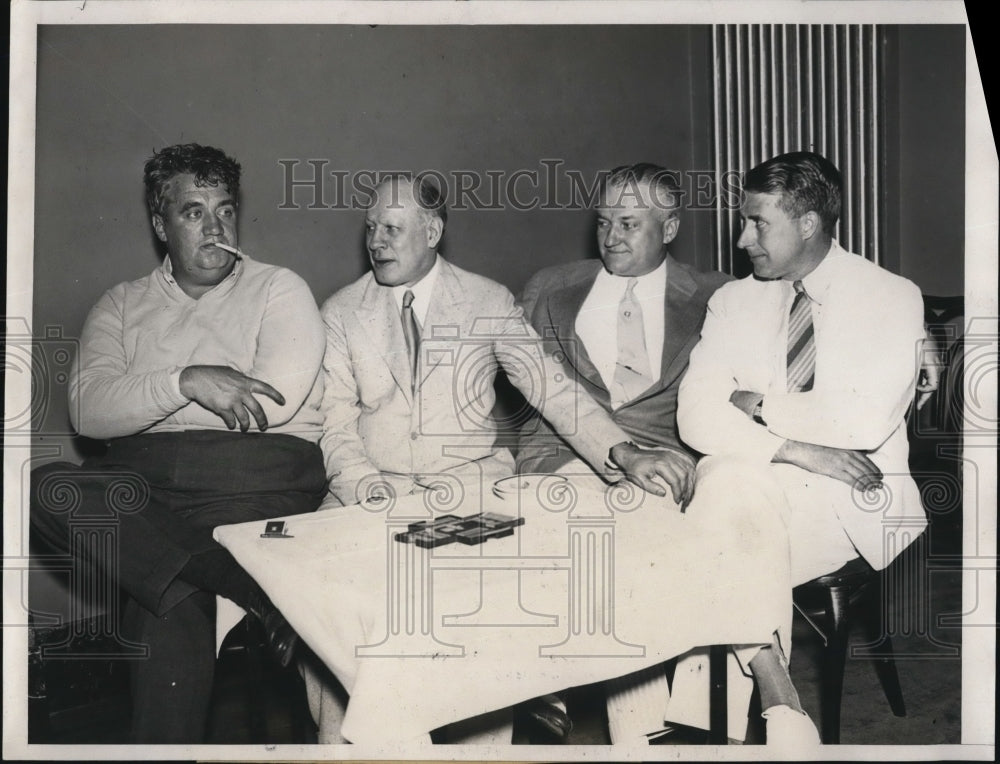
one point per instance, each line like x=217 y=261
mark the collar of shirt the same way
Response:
x=167 y=270
x=649 y=286
x=421 y=292
x=817 y=282
x=597 y=320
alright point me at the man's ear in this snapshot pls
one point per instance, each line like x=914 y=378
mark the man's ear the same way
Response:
x=809 y=225
x=161 y=234
x=435 y=229
x=670 y=228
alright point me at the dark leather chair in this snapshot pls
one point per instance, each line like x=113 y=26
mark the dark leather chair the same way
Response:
x=826 y=603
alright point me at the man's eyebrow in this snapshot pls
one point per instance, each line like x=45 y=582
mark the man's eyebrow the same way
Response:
x=192 y=203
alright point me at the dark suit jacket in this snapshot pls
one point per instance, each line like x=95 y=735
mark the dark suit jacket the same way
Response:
x=552 y=300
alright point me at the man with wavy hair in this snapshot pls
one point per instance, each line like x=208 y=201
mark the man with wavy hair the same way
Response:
x=203 y=380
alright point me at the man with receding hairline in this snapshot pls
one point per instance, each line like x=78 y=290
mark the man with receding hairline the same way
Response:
x=396 y=417
x=392 y=408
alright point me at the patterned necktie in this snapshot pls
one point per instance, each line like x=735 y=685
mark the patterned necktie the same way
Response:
x=632 y=372
x=801 y=343
x=411 y=331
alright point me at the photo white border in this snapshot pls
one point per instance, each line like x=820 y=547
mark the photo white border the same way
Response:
x=979 y=586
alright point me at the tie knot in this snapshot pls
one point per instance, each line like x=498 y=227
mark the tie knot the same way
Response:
x=408 y=298
x=630 y=285
x=799 y=288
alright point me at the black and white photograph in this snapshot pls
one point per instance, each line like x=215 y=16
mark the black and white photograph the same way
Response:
x=503 y=381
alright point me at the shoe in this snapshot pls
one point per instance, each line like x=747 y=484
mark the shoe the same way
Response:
x=281 y=637
x=790 y=731
x=550 y=717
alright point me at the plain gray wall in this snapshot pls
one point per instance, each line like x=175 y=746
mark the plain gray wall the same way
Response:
x=931 y=170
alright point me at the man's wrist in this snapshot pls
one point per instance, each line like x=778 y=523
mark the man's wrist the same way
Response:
x=617 y=452
x=184 y=382
x=785 y=453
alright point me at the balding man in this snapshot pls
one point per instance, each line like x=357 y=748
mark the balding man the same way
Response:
x=396 y=416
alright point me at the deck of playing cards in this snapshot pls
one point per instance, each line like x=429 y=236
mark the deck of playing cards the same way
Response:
x=447 y=529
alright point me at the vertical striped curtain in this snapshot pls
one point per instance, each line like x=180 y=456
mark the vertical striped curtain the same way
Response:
x=781 y=88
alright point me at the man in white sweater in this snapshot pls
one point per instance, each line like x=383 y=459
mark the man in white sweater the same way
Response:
x=203 y=379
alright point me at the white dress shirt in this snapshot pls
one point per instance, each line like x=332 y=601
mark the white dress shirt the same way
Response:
x=421 y=293
x=598 y=317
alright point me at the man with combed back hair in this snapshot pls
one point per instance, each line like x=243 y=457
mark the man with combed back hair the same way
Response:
x=799 y=386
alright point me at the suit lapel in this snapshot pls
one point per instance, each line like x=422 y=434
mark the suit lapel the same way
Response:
x=381 y=323
x=446 y=317
x=682 y=319
x=563 y=307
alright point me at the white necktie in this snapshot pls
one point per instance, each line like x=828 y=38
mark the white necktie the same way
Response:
x=632 y=372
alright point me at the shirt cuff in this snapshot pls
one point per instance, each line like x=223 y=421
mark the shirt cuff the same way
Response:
x=174 y=383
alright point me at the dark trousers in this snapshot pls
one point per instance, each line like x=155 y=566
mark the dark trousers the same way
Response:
x=163 y=494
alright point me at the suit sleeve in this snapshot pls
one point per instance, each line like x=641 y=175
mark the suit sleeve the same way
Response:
x=344 y=452
x=877 y=348
x=706 y=420
x=528 y=301
x=531 y=293
x=108 y=401
x=290 y=345
x=560 y=400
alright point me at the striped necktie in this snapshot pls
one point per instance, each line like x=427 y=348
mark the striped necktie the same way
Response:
x=801 y=343
x=411 y=332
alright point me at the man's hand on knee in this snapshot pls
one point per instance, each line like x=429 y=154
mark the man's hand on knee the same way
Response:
x=851 y=467
x=228 y=393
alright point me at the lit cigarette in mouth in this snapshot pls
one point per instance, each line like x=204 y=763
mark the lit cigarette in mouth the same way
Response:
x=226 y=247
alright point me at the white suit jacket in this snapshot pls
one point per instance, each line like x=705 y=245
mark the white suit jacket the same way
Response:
x=376 y=429
x=868 y=332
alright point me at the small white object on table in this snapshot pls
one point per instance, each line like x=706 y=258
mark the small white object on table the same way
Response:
x=596 y=584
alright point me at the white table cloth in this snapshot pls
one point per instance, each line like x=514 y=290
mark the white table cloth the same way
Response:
x=595 y=584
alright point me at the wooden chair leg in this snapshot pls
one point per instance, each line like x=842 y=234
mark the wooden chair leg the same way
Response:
x=884 y=661
x=835 y=656
x=888 y=677
x=255 y=664
x=718 y=733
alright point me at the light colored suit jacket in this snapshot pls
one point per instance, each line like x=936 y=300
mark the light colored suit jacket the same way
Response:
x=552 y=300
x=376 y=429
x=868 y=333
